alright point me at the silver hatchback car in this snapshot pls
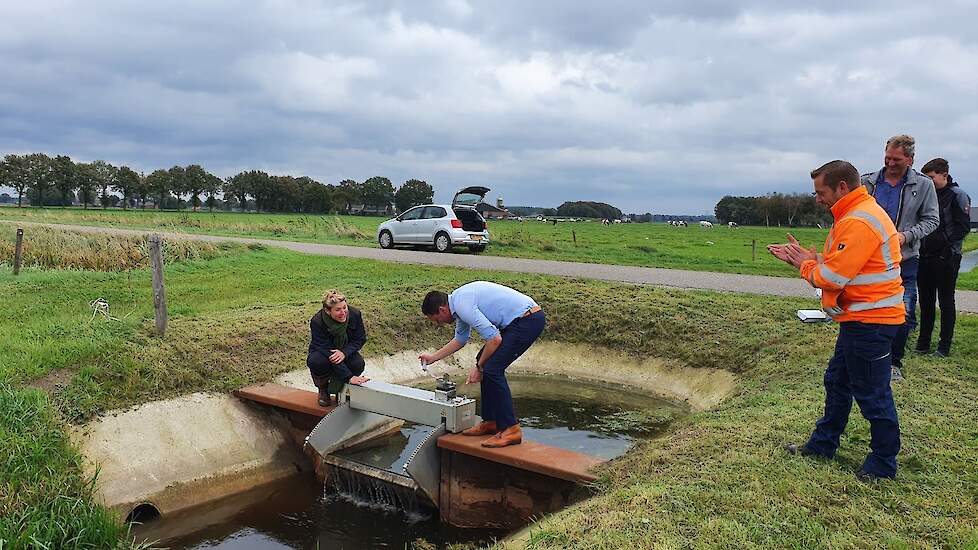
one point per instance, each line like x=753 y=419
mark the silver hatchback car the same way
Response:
x=440 y=225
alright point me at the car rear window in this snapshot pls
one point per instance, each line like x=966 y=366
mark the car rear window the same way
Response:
x=431 y=212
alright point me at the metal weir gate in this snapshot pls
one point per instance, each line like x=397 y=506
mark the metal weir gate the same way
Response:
x=369 y=407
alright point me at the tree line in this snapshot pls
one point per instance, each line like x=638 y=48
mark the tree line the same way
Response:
x=59 y=181
x=773 y=209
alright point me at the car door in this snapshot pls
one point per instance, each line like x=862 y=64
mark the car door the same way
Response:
x=405 y=227
x=429 y=223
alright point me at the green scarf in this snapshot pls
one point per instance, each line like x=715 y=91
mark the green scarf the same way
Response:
x=338 y=330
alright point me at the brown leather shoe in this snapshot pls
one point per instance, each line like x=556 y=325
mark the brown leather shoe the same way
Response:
x=512 y=435
x=482 y=428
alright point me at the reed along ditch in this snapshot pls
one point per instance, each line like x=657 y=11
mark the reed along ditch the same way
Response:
x=354 y=511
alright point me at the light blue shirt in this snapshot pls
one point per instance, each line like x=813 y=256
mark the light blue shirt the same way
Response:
x=487 y=308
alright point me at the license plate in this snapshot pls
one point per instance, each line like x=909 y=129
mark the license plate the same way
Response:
x=476 y=237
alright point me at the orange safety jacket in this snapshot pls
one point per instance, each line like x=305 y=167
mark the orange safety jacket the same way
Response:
x=859 y=268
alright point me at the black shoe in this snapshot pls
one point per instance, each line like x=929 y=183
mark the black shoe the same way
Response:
x=920 y=350
x=866 y=477
x=942 y=353
x=803 y=450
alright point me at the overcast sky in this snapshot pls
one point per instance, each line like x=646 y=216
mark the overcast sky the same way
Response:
x=650 y=106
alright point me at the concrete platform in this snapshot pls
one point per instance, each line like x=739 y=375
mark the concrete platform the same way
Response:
x=529 y=455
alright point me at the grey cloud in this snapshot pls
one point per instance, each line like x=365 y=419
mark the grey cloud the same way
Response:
x=662 y=107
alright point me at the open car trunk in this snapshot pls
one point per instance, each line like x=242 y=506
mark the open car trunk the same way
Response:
x=471 y=219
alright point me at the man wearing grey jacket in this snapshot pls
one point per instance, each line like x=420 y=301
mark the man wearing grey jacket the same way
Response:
x=910 y=200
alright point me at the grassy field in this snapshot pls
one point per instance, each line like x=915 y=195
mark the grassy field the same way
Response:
x=649 y=245
x=720 y=480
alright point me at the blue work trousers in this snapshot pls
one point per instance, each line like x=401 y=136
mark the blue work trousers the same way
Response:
x=860 y=369
x=497 y=400
x=908 y=270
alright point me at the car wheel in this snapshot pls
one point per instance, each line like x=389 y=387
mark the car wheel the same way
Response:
x=443 y=243
x=386 y=240
x=477 y=248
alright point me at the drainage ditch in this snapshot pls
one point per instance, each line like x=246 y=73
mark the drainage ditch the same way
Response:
x=363 y=511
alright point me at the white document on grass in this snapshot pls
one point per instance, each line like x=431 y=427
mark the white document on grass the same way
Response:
x=813 y=316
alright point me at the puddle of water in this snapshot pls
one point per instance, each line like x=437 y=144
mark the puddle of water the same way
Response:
x=969 y=261
x=600 y=420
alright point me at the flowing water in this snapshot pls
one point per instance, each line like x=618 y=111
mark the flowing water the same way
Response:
x=360 y=512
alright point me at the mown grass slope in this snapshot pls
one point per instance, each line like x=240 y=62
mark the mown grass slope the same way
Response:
x=719 y=480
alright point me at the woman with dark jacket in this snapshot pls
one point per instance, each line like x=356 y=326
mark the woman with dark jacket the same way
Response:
x=940 y=258
x=334 y=350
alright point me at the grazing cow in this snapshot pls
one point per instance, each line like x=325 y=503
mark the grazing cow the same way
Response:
x=705 y=224
x=605 y=222
x=617 y=221
x=732 y=225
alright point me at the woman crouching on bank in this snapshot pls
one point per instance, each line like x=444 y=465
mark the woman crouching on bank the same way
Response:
x=334 y=350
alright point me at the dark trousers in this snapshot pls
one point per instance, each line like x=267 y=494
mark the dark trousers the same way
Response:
x=860 y=369
x=497 y=400
x=319 y=365
x=908 y=270
x=935 y=281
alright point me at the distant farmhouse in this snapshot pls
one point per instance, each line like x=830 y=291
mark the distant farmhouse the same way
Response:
x=490 y=212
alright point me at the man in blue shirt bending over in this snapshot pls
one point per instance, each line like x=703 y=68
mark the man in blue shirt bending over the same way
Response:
x=509 y=322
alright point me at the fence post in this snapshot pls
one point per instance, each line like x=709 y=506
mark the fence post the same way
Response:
x=159 y=292
x=18 y=250
x=753 y=250
x=574 y=236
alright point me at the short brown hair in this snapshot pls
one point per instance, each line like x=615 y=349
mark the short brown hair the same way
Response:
x=836 y=172
x=938 y=166
x=902 y=140
x=432 y=301
x=332 y=297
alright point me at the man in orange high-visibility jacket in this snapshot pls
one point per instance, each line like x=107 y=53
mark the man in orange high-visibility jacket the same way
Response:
x=859 y=274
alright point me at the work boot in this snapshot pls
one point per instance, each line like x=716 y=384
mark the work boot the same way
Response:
x=512 y=435
x=322 y=383
x=482 y=428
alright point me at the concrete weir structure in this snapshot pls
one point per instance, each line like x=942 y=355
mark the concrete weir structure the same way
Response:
x=171 y=455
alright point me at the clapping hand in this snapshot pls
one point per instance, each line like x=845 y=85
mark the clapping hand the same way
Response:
x=792 y=253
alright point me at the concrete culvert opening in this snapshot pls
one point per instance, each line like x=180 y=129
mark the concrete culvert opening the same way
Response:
x=143 y=513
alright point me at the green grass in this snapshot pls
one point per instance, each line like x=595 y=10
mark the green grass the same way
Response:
x=649 y=245
x=45 y=502
x=719 y=480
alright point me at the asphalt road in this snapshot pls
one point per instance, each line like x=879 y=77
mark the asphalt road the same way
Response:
x=965 y=300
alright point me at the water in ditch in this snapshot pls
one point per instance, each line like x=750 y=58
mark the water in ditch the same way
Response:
x=600 y=420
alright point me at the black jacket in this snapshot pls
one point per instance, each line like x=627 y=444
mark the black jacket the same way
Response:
x=945 y=241
x=322 y=340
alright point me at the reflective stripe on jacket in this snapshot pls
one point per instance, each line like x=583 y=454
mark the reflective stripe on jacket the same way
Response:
x=859 y=268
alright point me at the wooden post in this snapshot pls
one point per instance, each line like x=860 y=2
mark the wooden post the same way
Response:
x=753 y=250
x=18 y=250
x=159 y=292
x=574 y=236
